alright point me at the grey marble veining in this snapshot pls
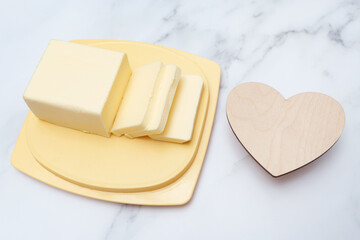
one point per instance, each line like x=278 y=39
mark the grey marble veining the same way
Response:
x=294 y=46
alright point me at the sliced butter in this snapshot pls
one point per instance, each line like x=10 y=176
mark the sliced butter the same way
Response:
x=161 y=101
x=133 y=109
x=180 y=124
x=78 y=86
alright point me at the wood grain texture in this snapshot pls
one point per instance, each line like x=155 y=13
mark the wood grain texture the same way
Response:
x=283 y=135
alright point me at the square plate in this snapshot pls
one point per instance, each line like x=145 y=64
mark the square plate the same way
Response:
x=176 y=193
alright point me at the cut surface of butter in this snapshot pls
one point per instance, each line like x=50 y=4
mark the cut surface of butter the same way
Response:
x=133 y=109
x=78 y=86
x=161 y=101
x=180 y=124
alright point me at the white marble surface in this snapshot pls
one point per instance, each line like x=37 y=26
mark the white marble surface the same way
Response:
x=294 y=46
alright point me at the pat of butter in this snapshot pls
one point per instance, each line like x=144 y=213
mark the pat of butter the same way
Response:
x=78 y=86
x=160 y=104
x=180 y=125
x=133 y=109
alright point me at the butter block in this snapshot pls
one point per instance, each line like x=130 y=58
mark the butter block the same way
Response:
x=161 y=101
x=180 y=125
x=133 y=109
x=78 y=86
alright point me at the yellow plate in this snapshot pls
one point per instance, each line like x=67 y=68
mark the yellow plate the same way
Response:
x=166 y=176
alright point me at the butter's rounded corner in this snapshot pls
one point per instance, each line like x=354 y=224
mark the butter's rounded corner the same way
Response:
x=14 y=163
x=213 y=66
x=184 y=201
x=216 y=66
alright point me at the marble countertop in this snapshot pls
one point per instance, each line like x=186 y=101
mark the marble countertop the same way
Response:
x=294 y=46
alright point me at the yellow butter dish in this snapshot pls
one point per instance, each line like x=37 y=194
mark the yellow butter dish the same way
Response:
x=118 y=169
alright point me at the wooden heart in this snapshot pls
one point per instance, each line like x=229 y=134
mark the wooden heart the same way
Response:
x=283 y=135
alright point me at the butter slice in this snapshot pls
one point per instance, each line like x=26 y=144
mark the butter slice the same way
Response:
x=161 y=101
x=78 y=86
x=133 y=109
x=180 y=125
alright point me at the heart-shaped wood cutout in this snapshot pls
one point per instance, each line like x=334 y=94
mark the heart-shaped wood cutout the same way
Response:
x=283 y=135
